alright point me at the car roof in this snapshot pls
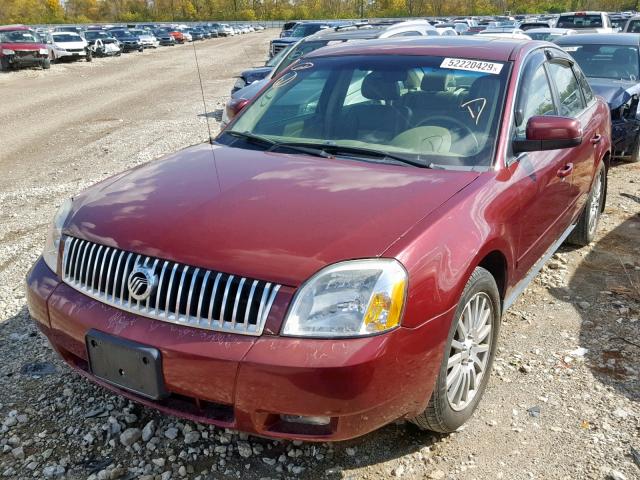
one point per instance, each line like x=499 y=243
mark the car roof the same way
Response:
x=5 y=28
x=601 y=39
x=471 y=47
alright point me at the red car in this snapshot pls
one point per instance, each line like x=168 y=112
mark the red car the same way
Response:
x=342 y=254
x=21 y=46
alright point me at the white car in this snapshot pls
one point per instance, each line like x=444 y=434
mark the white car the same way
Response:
x=67 y=45
x=505 y=33
x=446 y=31
x=147 y=39
x=549 y=34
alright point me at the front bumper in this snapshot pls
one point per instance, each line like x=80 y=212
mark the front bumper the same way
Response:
x=246 y=383
x=624 y=135
x=27 y=60
x=71 y=54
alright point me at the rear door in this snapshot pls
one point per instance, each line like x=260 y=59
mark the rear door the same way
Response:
x=543 y=178
x=574 y=100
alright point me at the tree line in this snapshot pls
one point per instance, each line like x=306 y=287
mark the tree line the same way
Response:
x=94 y=11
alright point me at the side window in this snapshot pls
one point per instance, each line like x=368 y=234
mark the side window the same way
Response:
x=584 y=84
x=538 y=99
x=571 y=102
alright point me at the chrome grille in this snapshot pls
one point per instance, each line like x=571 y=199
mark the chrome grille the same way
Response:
x=184 y=295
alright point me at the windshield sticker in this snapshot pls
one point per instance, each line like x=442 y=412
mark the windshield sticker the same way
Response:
x=475 y=108
x=472 y=65
x=286 y=78
x=570 y=49
x=302 y=66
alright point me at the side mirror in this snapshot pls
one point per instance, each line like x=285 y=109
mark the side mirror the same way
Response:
x=549 y=133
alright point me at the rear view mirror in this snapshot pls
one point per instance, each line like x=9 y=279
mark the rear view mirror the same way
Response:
x=549 y=133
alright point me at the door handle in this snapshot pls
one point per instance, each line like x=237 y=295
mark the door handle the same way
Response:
x=596 y=139
x=566 y=170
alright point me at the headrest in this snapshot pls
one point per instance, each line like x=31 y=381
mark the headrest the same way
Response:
x=434 y=82
x=382 y=85
x=486 y=86
x=622 y=55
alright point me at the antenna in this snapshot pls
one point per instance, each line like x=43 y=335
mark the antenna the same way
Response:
x=204 y=102
x=206 y=116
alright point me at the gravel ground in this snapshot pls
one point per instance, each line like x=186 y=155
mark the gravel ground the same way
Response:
x=563 y=401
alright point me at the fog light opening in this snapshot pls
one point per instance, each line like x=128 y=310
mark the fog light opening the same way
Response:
x=306 y=420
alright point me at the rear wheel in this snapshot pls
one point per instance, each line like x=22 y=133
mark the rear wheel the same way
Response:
x=587 y=226
x=468 y=357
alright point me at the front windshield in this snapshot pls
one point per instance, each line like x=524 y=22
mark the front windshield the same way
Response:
x=20 y=36
x=120 y=33
x=66 y=37
x=580 y=21
x=139 y=32
x=618 y=62
x=430 y=110
x=304 y=30
x=634 y=26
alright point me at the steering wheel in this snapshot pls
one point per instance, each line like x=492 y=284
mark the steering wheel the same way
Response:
x=454 y=121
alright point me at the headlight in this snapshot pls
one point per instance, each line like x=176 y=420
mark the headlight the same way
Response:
x=6 y=51
x=52 y=246
x=44 y=51
x=349 y=299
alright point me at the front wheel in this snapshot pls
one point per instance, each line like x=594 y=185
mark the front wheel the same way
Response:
x=585 y=231
x=468 y=356
x=5 y=66
x=46 y=64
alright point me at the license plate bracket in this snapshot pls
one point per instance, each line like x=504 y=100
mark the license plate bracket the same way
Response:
x=126 y=364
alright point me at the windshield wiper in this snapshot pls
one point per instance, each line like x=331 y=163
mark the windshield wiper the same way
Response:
x=338 y=149
x=310 y=148
x=251 y=137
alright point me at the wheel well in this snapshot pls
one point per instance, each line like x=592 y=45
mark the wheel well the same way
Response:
x=496 y=263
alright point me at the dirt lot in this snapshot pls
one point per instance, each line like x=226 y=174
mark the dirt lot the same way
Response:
x=563 y=402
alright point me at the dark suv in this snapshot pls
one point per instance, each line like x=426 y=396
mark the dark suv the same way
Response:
x=128 y=41
x=21 y=46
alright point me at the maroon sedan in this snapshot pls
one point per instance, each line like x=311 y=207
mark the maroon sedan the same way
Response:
x=341 y=256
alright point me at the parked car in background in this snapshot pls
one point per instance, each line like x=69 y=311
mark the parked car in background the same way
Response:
x=164 y=38
x=128 y=41
x=225 y=30
x=586 y=22
x=611 y=64
x=196 y=34
x=301 y=30
x=549 y=34
x=505 y=33
x=249 y=76
x=68 y=28
x=524 y=26
x=339 y=34
x=20 y=46
x=374 y=251
x=105 y=47
x=146 y=37
x=68 y=46
x=632 y=25
x=287 y=27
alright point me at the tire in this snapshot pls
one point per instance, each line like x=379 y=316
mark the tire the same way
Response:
x=46 y=64
x=587 y=226
x=5 y=66
x=635 y=152
x=89 y=57
x=448 y=406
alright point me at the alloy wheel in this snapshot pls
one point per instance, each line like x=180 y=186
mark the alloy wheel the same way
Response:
x=470 y=351
x=594 y=206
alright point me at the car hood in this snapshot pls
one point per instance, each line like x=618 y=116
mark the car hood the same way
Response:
x=22 y=46
x=70 y=44
x=286 y=40
x=614 y=92
x=268 y=216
